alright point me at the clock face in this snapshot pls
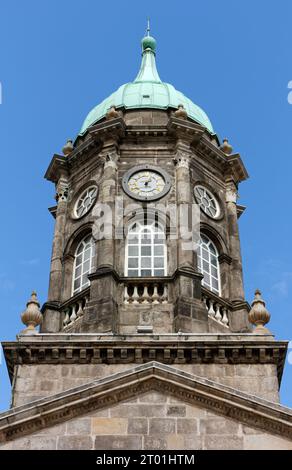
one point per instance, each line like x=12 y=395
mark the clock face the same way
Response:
x=146 y=183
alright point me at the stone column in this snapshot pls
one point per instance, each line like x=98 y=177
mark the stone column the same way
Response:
x=101 y=310
x=239 y=320
x=189 y=313
x=51 y=322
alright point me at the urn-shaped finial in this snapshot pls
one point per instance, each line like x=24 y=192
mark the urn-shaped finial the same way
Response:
x=68 y=147
x=259 y=315
x=32 y=316
x=226 y=147
x=112 y=113
x=181 y=112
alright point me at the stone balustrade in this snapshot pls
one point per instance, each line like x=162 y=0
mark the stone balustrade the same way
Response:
x=145 y=292
x=74 y=309
x=216 y=307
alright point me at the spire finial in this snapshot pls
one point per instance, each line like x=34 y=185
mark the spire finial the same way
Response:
x=148 y=27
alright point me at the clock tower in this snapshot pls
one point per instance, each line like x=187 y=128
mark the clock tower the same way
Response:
x=146 y=340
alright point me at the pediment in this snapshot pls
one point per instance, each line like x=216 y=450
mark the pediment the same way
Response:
x=152 y=376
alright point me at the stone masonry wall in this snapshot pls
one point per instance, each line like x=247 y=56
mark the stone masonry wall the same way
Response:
x=151 y=421
x=37 y=381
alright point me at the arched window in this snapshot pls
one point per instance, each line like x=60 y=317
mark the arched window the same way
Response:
x=146 y=250
x=83 y=264
x=208 y=264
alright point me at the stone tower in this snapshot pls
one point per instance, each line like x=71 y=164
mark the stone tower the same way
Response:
x=146 y=339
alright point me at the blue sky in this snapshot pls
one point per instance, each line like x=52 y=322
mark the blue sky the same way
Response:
x=60 y=58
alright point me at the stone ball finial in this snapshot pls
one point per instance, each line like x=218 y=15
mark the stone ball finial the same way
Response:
x=226 y=147
x=32 y=316
x=258 y=314
x=181 y=112
x=112 y=113
x=68 y=147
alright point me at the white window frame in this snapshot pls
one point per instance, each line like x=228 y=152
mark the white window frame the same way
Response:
x=86 y=241
x=91 y=193
x=152 y=228
x=201 y=193
x=208 y=245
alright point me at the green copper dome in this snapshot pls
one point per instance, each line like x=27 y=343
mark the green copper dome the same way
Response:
x=147 y=91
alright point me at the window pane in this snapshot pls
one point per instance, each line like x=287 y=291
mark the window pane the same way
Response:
x=158 y=272
x=78 y=260
x=86 y=266
x=146 y=251
x=205 y=254
x=145 y=262
x=87 y=254
x=215 y=283
x=132 y=272
x=85 y=280
x=206 y=266
x=133 y=262
x=133 y=240
x=214 y=271
x=207 y=278
x=158 y=262
x=146 y=272
x=77 y=283
x=159 y=250
x=214 y=260
x=146 y=241
x=133 y=250
x=78 y=271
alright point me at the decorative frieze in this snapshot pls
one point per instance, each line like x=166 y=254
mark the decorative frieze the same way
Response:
x=120 y=349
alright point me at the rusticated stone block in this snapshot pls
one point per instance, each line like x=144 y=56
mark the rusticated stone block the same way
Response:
x=266 y=442
x=137 y=426
x=219 y=442
x=193 y=443
x=81 y=426
x=74 y=443
x=176 y=410
x=109 y=426
x=139 y=410
x=43 y=443
x=218 y=426
x=161 y=426
x=155 y=443
x=195 y=412
x=175 y=441
x=118 y=442
x=187 y=426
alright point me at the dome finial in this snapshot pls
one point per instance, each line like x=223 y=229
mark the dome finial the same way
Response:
x=148 y=42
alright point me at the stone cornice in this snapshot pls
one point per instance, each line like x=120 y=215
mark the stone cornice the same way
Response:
x=185 y=130
x=102 y=393
x=229 y=164
x=57 y=166
x=111 y=129
x=238 y=170
x=168 y=349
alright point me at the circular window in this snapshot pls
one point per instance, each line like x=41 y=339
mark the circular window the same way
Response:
x=85 y=201
x=207 y=201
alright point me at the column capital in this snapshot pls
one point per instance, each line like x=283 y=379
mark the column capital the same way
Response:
x=62 y=191
x=231 y=194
